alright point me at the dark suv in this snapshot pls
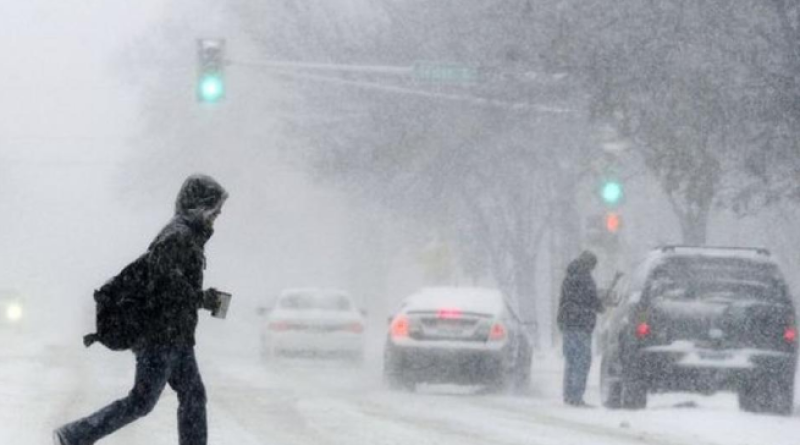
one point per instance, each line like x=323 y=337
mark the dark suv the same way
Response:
x=702 y=319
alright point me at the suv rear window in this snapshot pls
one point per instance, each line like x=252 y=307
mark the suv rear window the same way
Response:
x=714 y=279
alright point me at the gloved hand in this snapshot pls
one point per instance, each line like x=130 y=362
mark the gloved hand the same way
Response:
x=211 y=300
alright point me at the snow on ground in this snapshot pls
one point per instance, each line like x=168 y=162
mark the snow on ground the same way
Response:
x=306 y=401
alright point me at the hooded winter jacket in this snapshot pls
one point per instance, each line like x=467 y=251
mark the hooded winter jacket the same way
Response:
x=176 y=261
x=579 y=304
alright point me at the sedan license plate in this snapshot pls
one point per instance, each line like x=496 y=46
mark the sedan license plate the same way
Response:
x=450 y=329
x=715 y=355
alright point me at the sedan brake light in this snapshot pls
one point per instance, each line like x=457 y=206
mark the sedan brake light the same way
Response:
x=355 y=327
x=399 y=327
x=642 y=330
x=498 y=332
x=279 y=326
x=449 y=314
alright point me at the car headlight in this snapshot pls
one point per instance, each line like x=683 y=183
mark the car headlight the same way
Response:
x=14 y=312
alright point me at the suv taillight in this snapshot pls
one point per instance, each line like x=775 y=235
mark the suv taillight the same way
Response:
x=642 y=330
x=399 y=327
x=790 y=334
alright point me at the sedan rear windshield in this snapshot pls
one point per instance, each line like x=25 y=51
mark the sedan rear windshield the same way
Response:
x=702 y=278
x=314 y=301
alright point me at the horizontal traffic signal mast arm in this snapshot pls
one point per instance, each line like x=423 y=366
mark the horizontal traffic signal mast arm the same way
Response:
x=288 y=70
x=330 y=67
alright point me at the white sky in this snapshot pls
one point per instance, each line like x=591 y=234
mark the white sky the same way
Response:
x=62 y=94
x=65 y=117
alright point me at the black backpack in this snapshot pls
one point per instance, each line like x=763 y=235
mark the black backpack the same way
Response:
x=121 y=305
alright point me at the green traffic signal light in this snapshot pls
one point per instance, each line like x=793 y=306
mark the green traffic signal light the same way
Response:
x=211 y=88
x=611 y=192
x=210 y=68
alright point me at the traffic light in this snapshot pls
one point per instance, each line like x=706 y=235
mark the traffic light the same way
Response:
x=613 y=222
x=611 y=192
x=210 y=70
x=602 y=230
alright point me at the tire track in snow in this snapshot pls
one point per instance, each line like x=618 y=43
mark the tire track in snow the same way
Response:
x=298 y=410
x=303 y=405
x=514 y=419
x=332 y=415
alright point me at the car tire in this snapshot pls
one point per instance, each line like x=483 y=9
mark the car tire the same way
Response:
x=633 y=391
x=266 y=351
x=610 y=385
x=753 y=395
x=393 y=376
x=499 y=381
x=767 y=394
x=783 y=396
x=747 y=397
x=357 y=358
x=521 y=378
x=399 y=382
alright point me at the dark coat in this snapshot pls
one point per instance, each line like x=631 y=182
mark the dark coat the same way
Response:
x=176 y=260
x=579 y=304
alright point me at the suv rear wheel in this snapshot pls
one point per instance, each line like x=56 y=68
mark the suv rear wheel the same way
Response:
x=621 y=387
x=633 y=391
x=768 y=393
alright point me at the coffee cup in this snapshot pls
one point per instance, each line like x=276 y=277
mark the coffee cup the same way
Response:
x=224 y=303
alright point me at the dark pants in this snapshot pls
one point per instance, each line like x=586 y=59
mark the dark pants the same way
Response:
x=578 y=358
x=154 y=369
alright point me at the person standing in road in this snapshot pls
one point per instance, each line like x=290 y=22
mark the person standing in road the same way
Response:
x=577 y=315
x=165 y=351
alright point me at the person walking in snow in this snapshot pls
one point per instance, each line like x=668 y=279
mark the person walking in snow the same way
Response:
x=165 y=350
x=577 y=315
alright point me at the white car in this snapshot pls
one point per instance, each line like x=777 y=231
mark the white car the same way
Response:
x=315 y=322
x=457 y=335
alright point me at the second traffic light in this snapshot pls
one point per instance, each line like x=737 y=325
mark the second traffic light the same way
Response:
x=611 y=192
x=613 y=222
x=210 y=70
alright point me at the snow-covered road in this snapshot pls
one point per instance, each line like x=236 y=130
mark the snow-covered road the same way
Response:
x=302 y=401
